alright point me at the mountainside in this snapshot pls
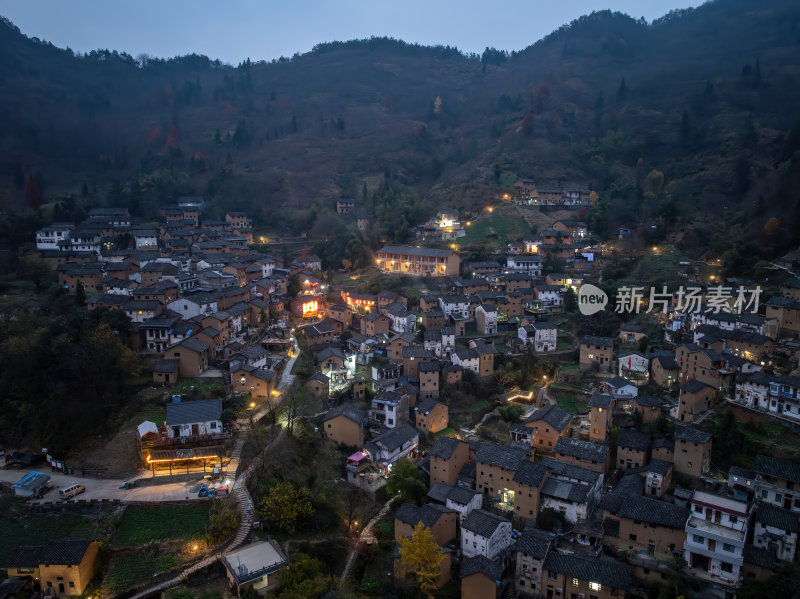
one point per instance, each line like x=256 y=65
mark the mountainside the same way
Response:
x=707 y=97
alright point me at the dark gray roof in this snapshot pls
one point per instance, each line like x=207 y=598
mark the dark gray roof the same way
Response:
x=629 y=486
x=667 y=362
x=663 y=442
x=650 y=401
x=631 y=439
x=565 y=490
x=592 y=569
x=784 y=302
x=482 y=523
x=694 y=386
x=759 y=557
x=439 y=492
x=194 y=344
x=654 y=511
x=480 y=564
x=777 y=468
x=583 y=450
x=166 y=365
x=777 y=517
x=600 y=401
x=461 y=495
x=659 y=467
x=617 y=382
x=508 y=457
x=552 y=415
x=428 y=514
x=739 y=471
x=571 y=471
x=347 y=410
x=593 y=340
x=688 y=433
x=426 y=406
x=535 y=542
x=444 y=447
x=530 y=474
x=395 y=437
x=190 y=412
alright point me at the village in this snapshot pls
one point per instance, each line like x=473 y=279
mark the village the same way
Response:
x=560 y=457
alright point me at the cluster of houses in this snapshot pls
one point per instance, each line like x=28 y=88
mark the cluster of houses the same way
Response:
x=623 y=525
x=192 y=288
x=527 y=193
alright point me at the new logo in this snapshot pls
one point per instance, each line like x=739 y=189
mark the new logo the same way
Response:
x=591 y=299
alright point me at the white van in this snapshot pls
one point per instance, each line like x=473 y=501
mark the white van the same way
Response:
x=71 y=491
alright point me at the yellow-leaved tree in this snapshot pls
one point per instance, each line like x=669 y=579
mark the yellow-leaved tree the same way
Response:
x=422 y=556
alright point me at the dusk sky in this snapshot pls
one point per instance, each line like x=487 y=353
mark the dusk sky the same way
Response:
x=262 y=30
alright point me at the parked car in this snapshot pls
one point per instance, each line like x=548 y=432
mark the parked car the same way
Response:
x=203 y=491
x=212 y=492
x=222 y=491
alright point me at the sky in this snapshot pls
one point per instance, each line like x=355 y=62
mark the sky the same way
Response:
x=233 y=30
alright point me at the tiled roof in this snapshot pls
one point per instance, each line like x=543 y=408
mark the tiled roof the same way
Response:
x=654 y=511
x=480 y=564
x=439 y=492
x=759 y=557
x=535 y=542
x=688 y=433
x=583 y=450
x=508 y=457
x=777 y=468
x=552 y=415
x=777 y=517
x=444 y=447
x=592 y=569
x=482 y=523
x=659 y=467
x=428 y=514
x=565 y=490
x=426 y=406
x=663 y=442
x=593 y=340
x=694 y=386
x=191 y=412
x=600 y=401
x=347 y=410
x=461 y=495
x=395 y=437
x=631 y=439
x=571 y=471
x=530 y=474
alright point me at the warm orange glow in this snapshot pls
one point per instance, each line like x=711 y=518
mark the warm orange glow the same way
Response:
x=310 y=308
x=197 y=457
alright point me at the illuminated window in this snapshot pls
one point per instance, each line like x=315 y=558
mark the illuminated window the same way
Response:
x=594 y=586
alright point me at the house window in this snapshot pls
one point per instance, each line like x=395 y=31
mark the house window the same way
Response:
x=698 y=539
x=733 y=519
x=698 y=509
x=594 y=586
x=728 y=547
x=726 y=567
x=631 y=537
x=71 y=584
x=552 y=575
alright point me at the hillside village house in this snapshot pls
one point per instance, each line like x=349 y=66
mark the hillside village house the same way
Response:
x=344 y=424
x=61 y=568
x=692 y=451
x=596 y=352
x=541 y=335
x=484 y=533
x=194 y=418
x=419 y=261
x=447 y=456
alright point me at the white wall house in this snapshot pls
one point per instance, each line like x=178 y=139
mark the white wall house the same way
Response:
x=194 y=418
x=528 y=264
x=48 y=238
x=194 y=305
x=486 y=534
x=715 y=537
x=541 y=335
x=455 y=305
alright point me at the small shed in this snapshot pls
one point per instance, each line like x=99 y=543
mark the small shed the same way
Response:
x=33 y=484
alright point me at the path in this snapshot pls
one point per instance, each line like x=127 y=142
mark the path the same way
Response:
x=242 y=496
x=367 y=537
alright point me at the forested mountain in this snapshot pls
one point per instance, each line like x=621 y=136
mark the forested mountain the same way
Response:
x=708 y=98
